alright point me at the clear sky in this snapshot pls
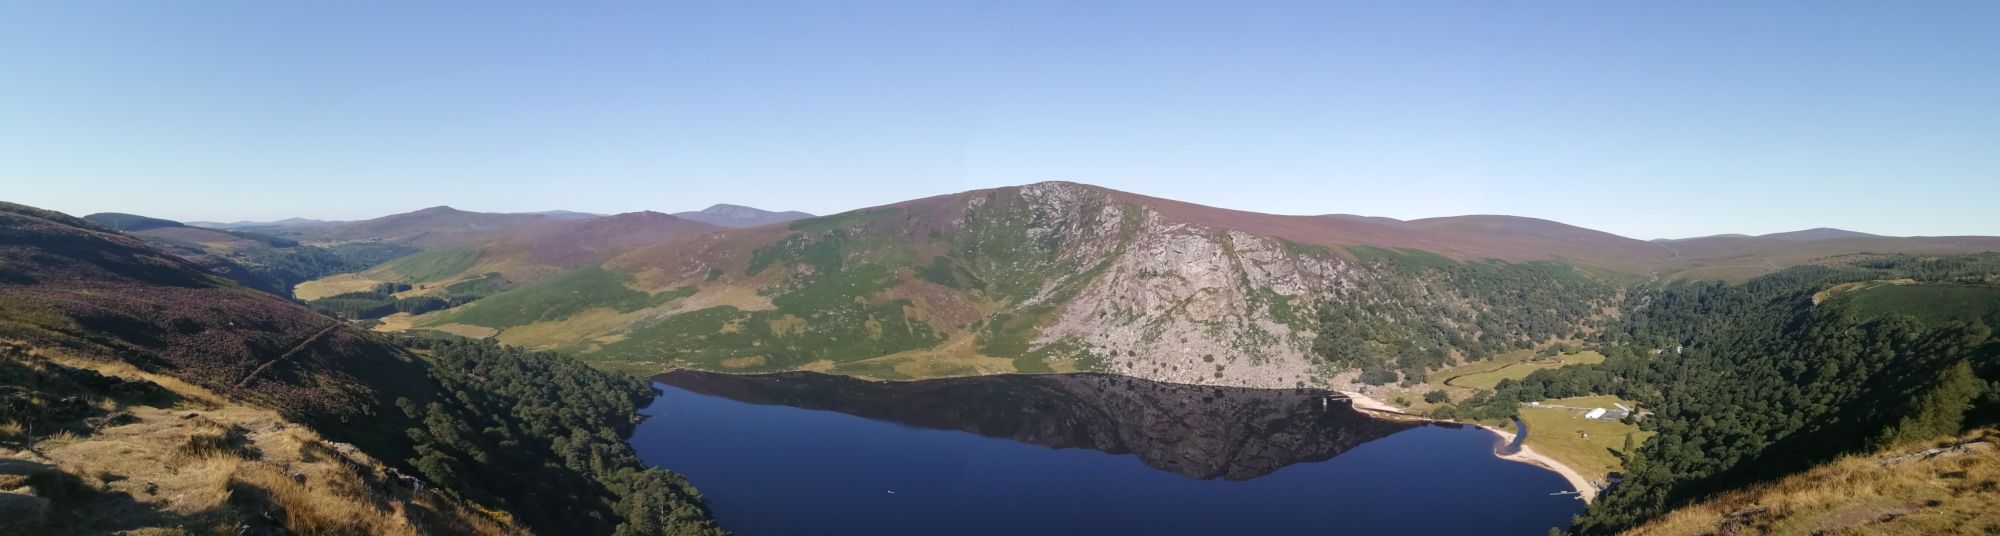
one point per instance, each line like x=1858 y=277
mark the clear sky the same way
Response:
x=1648 y=119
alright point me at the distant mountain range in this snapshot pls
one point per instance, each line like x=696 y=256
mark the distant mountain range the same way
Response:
x=1048 y=276
x=444 y=226
x=260 y=261
x=1807 y=235
x=287 y=222
x=529 y=253
x=1893 y=334
x=566 y=214
x=741 y=216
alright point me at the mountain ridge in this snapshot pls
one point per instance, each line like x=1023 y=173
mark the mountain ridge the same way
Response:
x=1067 y=276
x=433 y=227
x=737 y=216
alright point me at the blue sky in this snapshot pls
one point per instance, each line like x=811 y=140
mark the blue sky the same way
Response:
x=1658 y=119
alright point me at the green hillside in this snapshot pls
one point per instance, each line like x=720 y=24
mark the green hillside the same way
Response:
x=1755 y=381
x=1933 y=304
x=1052 y=276
x=531 y=438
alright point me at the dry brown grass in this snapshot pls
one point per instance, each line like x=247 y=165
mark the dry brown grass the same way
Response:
x=957 y=356
x=122 y=369
x=337 y=284
x=215 y=440
x=1950 y=494
x=329 y=502
x=576 y=329
x=467 y=330
x=210 y=466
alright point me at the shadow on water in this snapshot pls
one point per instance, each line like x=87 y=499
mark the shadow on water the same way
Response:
x=1202 y=432
x=797 y=453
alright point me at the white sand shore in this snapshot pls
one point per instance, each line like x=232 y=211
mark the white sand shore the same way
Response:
x=1363 y=402
x=1526 y=455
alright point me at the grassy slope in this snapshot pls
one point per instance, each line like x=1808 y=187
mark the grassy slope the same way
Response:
x=70 y=288
x=143 y=450
x=557 y=299
x=1586 y=445
x=846 y=278
x=820 y=321
x=434 y=265
x=1487 y=374
x=1891 y=493
x=1555 y=432
x=842 y=290
x=1929 y=303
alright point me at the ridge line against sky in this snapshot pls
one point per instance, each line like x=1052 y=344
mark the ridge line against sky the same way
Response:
x=1647 y=121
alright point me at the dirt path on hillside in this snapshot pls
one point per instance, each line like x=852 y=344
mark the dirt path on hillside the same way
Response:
x=301 y=346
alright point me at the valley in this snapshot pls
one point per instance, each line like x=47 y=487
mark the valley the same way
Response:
x=1058 y=289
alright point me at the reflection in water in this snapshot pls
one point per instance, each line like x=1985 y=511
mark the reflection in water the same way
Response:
x=1202 y=432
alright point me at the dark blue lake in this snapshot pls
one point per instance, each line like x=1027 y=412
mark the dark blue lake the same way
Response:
x=1077 y=454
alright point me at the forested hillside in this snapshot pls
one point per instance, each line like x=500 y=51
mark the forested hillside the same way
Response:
x=1056 y=277
x=471 y=419
x=1754 y=381
x=263 y=262
x=1431 y=312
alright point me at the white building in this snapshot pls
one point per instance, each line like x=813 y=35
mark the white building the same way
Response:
x=1594 y=413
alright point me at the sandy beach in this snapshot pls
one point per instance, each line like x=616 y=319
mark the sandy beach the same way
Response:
x=1526 y=455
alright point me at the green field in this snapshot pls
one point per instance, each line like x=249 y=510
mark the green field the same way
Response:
x=556 y=299
x=821 y=320
x=434 y=265
x=1408 y=258
x=1488 y=376
x=1585 y=445
x=1931 y=304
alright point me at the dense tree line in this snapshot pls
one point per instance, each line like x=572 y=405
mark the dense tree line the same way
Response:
x=291 y=265
x=1417 y=315
x=1754 y=381
x=543 y=435
x=375 y=304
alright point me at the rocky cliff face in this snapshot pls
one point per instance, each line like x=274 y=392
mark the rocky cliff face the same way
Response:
x=1174 y=301
x=1043 y=277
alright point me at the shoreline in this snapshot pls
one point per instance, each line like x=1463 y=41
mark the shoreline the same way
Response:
x=1526 y=455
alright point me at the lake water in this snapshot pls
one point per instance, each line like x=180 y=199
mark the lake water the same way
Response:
x=802 y=453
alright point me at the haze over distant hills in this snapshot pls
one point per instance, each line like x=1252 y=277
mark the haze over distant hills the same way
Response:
x=246 y=224
x=260 y=261
x=1048 y=276
x=741 y=216
x=530 y=253
x=1062 y=277
x=566 y=214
